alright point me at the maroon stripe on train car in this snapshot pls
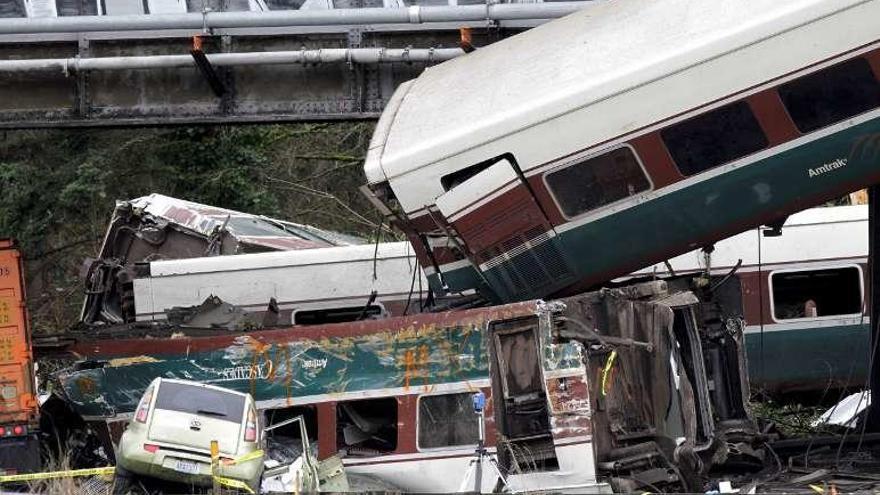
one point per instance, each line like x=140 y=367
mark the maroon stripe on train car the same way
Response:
x=771 y=115
x=423 y=222
x=500 y=219
x=326 y=429
x=750 y=285
x=258 y=338
x=874 y=59
x=656 y=159
x=407 y=416
x=545 y=199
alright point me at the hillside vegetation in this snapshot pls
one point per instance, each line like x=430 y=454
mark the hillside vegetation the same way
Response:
x=58 y=188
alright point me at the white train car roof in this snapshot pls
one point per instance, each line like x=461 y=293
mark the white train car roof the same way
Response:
x=280 y=259
x=486 y=103
x=811 y=238
x=332 y=277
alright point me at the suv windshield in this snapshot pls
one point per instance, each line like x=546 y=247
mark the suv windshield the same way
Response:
x=201 y=401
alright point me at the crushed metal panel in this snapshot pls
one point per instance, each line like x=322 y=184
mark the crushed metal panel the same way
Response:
x=653 y=419
x=157 y=227
x=289 y=366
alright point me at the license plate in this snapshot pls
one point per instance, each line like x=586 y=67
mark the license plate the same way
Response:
x=187 y=467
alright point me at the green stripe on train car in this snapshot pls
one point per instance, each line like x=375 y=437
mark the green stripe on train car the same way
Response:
x=808 y=358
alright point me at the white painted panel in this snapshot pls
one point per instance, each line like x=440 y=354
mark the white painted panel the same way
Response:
x=438 y=472
x=475 y=188
x=257 y=290
x=306 y=279
x=41 y=8
x=167 y=6
x=123 y=7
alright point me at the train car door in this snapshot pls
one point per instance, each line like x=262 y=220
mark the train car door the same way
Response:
x=522 y=415
x=505 y=231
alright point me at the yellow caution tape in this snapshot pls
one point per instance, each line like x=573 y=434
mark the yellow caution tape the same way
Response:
x=12 y=478
x=257 y=454
x=817 y=488
x=231 y=483
x=606 y=370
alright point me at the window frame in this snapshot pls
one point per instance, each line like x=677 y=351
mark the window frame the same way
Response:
x=581 y=158
x=772 y=295
x=744 y=100
x=398 y=435
x=382 y=311
x=776 y=89
x=418 y=422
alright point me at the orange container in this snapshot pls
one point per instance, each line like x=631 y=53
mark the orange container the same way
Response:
x=18 y=403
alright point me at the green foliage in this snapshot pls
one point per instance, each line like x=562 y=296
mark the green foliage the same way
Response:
x=58 y=188
x=792 y=419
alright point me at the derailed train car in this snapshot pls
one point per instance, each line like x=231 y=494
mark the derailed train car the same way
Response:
x=802 y=291
x=160 y=253
x=606 y=390
x=625 y=134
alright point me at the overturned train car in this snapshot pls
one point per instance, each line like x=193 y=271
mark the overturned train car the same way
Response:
x=625 y=134
x=606 y=390
x=161 y=253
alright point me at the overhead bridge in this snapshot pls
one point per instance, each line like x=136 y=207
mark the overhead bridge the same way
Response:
x=159 y=62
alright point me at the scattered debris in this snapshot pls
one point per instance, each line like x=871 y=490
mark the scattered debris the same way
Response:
x=847 y=412
x=158 y=227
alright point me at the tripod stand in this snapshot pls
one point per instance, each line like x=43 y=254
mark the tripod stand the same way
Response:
x=475 y=466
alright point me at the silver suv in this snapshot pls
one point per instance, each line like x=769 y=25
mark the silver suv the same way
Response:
x=170 y=436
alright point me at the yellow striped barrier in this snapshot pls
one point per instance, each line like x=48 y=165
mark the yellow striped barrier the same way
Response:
x=108 y=470
x=17 y=478
x=245 y=458
x=231 y=483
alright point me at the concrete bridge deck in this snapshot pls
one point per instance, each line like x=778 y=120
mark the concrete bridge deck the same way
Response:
x=60 y=70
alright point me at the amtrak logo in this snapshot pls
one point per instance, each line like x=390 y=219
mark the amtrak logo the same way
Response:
x=828 y=167
x=314 y=364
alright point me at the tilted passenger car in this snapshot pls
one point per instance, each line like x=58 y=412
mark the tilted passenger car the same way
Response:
x=170 y=435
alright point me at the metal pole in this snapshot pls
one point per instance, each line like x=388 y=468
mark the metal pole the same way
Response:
x=321 y=56
x=330 y=17
x=481 y=447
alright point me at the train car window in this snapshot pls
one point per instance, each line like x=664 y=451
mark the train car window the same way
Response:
x=447 y=421
x=367 y=428
x=714 y=138
x=284 y=443
x=337 y=315
x=831 y=95
x=597 y=181
x=817 y=293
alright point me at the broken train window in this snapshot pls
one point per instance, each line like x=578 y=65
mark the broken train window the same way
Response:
x=597 y=181
x=367 y=428
x=816 y=293
x=447 y=420
x=284 y=443
x=338 y=315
